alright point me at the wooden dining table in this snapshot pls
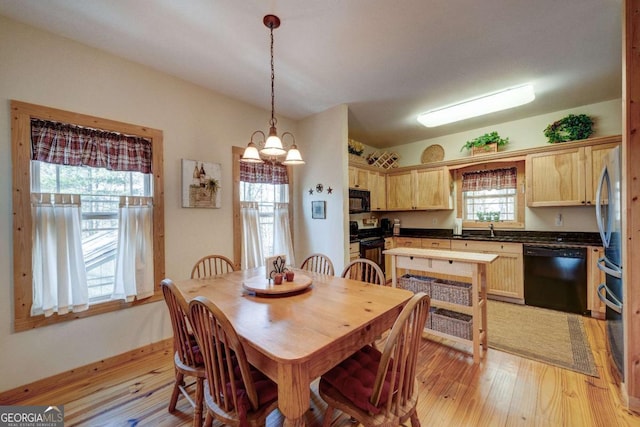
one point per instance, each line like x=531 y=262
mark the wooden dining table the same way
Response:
x=295 y=338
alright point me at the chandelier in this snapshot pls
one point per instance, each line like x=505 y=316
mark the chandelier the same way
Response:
x=271 y=145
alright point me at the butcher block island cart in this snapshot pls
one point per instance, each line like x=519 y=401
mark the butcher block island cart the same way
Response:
x=468 y=266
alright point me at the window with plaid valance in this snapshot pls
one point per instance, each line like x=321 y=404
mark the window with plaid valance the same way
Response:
x=71 y=145
x=264 y=173
x=494 y=179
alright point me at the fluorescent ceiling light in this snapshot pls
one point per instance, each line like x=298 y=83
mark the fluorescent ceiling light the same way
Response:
x=502 y=100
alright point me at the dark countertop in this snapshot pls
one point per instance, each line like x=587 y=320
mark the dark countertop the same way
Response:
x=530 y=237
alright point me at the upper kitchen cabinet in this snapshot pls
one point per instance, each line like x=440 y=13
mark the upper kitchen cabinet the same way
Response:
x=358 y=178
x=419 y=189
x=566 y=177
x=378 y=188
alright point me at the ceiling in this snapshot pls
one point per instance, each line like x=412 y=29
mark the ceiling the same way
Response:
x=387 y=60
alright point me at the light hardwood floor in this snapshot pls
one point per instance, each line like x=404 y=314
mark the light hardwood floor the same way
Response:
x=503 y=390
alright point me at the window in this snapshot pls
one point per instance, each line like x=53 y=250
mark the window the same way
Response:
x=269 y=200
x=100 y=190
x=267 y=196
x=491 y=193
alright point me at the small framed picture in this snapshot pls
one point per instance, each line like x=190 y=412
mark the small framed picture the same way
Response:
x=318 y=209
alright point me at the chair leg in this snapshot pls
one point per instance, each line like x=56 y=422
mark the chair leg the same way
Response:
x=197 y=412
x=415 y=421
x=327 y=416
x=176 y=391
x=208 y=420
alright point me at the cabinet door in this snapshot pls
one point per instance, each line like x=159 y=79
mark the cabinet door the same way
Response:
x=378 y=189
x=557 y=178
x=505 y=275
x=358 y=178
x=408 y=242
x=436 y=243
x=431 y=189
x=400 y=191
x=595 y=277
x=594 y=156
x=388 y=244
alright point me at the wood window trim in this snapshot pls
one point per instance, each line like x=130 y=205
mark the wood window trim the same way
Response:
x=236 y=155
x=21 y=115
x=520 y=195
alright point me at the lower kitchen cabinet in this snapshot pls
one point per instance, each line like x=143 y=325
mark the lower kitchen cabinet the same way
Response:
x=354 y=250
x=388 y=244
x=505 y=276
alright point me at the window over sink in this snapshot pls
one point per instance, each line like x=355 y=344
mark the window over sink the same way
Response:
x=491 y=193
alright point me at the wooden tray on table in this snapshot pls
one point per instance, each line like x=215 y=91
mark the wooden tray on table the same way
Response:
x=263 y=287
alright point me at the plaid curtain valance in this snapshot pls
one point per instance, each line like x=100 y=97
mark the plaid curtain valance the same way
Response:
x=67 y=144
x=494 y=179
x=264 y=173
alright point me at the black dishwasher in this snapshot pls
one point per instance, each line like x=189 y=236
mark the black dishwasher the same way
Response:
x=556 y=278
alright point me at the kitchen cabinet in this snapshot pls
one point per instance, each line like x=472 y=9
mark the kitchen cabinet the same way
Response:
x=595 y=277
x=566 y=177
x=419 y=189
x=377 y=183
x=435 y=243
x=358 y=178
x=388 y=244
x=354 y=251
x=505 y=276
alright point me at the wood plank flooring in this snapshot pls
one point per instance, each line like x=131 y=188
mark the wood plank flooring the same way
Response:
x=503 y=390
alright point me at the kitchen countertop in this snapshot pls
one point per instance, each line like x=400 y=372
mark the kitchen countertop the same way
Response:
x=529 y=237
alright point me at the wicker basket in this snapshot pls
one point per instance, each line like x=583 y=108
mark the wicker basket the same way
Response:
x=415 y=283
x=452 y=323
x=451 y=291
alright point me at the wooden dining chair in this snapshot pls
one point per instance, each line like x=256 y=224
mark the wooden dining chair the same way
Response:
x=364 y=270
x=236 y=393
x=212 y=265
x=318 y=263
x=380 y=388
x=187 y=358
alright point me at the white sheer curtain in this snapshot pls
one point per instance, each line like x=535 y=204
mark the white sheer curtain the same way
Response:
x=134 y=257
x=282 y=242
x=59 y=275
x=251 y=240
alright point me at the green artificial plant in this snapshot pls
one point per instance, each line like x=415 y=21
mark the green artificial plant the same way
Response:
x=570 y=128
x=485 y=140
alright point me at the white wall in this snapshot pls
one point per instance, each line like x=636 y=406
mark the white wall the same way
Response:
x=43 y=69
x=325 y=137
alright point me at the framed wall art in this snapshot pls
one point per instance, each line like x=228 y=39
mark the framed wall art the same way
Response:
x=201 y=186
x=318 y=209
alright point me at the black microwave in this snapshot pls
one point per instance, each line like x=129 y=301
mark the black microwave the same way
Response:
x=359 y=201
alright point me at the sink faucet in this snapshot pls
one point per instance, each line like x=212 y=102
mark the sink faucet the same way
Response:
x=491 y=229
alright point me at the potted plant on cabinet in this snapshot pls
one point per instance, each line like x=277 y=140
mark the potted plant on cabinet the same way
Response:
x=570 y=128
x=487 y=143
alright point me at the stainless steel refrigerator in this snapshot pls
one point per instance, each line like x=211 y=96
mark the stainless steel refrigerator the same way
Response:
x=609 y=219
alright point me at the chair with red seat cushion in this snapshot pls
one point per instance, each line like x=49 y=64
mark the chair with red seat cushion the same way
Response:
x=236 y=393
x=187 y=358
x=380 y=389
x=318 y=263
x=364 y=270
x=212 y=265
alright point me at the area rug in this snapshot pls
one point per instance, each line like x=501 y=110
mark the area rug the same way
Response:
x=548 y=336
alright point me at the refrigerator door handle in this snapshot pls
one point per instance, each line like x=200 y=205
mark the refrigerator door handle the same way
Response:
x=614 y=304
x=603 y=229
x=609 y=268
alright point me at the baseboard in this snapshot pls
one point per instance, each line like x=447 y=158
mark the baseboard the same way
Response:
x=19 y=394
